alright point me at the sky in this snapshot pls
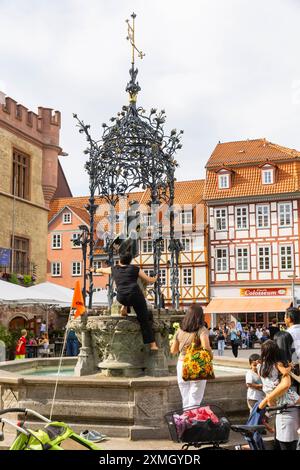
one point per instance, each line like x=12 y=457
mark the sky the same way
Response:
x=222 y=69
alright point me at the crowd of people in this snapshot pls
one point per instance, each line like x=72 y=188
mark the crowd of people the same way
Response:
x=41 y=342
x=40 y=345
x=238 y=336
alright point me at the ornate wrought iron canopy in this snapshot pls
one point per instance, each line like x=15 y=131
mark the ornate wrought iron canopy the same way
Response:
x=134 y=153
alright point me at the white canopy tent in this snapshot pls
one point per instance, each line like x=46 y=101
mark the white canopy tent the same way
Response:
x=45 y=293
x=64 y=295
x=39 y=295
x=48 y=291
x=100 y=298
x=11 y=292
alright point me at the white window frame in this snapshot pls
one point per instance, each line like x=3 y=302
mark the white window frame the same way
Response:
x=263 y=256
x=187 y=244
x=265 y=176
x=285 y=214
x=222 y=218
x=222 y=268
x=223 y=181
x=56 y=241
x=67 y=220
x=73 y=238
x=148 y=219
x=76 y=274
x=96 y=265
x=148 y=271
x=242 y=257
x=187 y=274
x=241 y=217
x=184 y=215
x=149 y=248
x=263 y=215
x=163 y=277
x=54 y=271
x=286 y=256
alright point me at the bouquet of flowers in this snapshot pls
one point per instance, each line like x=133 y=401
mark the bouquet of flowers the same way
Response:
x=175 y=327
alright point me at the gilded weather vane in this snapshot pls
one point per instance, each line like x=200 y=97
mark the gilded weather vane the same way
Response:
x=131 y=39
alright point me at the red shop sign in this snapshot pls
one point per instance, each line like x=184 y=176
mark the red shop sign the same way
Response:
x=267 y=292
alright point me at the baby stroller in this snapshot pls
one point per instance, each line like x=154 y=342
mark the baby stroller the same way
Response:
x=207 y=426
x=54 y=435
x=199 y=426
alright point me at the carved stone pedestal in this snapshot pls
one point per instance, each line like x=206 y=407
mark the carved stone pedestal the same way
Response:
x=113 y=345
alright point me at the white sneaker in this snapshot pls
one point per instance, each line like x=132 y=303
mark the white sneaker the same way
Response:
x=93 y=436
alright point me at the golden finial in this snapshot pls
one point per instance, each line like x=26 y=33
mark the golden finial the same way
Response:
x=131 y=39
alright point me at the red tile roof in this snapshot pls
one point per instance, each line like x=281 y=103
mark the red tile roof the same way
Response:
x=247 y=181
x=186 y=192
x=243 y=152
x=82 y=213
x=245 y=158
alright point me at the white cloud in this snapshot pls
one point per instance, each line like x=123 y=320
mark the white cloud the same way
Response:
x=221 y=69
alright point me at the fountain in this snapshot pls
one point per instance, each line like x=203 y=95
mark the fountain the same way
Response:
x=120 y=387
x=133 y=153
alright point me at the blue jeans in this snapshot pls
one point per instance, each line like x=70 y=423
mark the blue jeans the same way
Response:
x=72 y=347
x=221 y=347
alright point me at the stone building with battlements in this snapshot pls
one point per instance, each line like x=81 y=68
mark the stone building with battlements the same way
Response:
x=30 y=174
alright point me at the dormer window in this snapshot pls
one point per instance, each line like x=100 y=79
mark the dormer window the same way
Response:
x=224 y=178
x=223 y=181
x=268 y=174
x=67 y=218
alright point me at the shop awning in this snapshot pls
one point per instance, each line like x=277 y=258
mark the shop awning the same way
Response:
x=248 y=305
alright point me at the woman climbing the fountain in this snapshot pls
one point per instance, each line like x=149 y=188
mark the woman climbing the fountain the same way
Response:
x=129 y=293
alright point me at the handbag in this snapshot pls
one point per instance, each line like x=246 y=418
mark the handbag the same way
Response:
x=197 y=363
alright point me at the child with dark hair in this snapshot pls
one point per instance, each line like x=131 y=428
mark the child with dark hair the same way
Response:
x=284 y=341
x=253 y=382
x=277 y=386
x=129 y=293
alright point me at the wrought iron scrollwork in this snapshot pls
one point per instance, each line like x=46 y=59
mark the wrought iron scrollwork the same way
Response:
x=134 y=153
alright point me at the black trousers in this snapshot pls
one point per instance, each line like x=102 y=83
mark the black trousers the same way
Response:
x=137 y=300
x=288 y=445
x=235 y=348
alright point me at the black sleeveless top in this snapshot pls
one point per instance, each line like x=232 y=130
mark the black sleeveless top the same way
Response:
x=125 y=278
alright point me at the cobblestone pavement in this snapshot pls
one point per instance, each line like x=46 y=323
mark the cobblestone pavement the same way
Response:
x=242 y=353
x=114 y=444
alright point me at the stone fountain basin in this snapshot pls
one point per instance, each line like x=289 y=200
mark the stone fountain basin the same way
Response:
x=119 y=407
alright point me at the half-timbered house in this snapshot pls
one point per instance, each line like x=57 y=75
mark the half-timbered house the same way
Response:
x=252 y=193
x=190 y=228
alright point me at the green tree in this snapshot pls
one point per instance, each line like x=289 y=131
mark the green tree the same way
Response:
x=6 y=336
x=27 y=280
x=13 y=279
